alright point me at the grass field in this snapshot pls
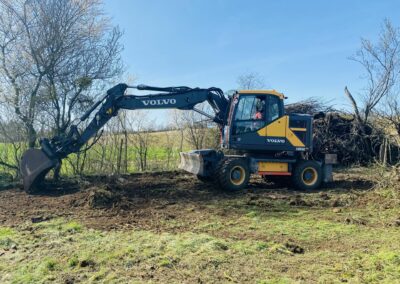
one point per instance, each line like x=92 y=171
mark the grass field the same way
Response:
x=162 y=154
x=170 y=228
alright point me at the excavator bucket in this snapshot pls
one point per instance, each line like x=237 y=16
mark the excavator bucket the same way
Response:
x=192 y=162
x=34 y=166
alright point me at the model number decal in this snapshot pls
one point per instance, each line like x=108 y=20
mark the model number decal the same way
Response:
x=276 y=140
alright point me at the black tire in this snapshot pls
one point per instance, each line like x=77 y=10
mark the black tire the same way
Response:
x=233 y=174
x=307 y=175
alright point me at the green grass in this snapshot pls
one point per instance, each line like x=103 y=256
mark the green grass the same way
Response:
x=256 y=247
x=6 y=238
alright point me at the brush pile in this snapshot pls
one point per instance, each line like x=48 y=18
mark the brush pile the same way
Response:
x=339 y=133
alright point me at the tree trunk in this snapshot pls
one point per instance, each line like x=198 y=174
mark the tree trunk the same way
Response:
x=83 y=163
x=126 y=152
x=32 y=136
x=119 y=157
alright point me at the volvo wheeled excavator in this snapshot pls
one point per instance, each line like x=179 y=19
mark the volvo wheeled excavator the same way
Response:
x=253 y=125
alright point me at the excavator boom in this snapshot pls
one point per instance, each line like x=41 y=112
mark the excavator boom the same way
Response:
x=36 y=163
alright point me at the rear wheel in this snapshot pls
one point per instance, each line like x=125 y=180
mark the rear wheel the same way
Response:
x=307 y=175
x=233 y=174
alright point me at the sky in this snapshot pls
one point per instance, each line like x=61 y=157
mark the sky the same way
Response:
x=300 y=48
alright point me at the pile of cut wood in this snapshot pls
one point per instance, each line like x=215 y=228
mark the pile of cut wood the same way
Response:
x=339 y=133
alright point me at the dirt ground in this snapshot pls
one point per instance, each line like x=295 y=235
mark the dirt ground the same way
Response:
x=145 y=201
x=171 y=228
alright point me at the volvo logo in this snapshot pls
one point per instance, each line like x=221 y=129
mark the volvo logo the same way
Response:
x=159 y=102
x=276 y=140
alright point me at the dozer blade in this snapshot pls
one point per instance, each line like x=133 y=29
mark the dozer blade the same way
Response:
x=34 y=166
x=192 y=162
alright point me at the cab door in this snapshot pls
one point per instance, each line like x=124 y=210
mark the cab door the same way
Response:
x=249 y=115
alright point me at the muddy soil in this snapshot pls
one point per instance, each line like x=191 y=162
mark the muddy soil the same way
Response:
x=148 y=200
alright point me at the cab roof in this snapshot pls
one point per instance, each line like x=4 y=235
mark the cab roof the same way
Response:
x=266 y=92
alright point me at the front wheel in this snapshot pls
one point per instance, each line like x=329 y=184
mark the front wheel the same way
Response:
x=233 y=174
x=307 y=175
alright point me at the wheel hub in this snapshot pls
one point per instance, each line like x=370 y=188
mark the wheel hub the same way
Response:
x=310 y=176
x=237 y=175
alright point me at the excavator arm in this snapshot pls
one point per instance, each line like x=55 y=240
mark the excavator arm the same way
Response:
x=36 y=163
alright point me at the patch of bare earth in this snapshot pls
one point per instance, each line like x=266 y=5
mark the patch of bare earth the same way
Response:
x=148 y=200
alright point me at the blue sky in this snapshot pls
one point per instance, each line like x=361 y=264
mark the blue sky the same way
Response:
x=300 y=48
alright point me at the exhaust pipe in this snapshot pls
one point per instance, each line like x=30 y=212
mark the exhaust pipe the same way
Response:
x=34 y=166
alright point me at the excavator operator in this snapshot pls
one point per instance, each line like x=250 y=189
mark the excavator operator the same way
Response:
x=260 y=107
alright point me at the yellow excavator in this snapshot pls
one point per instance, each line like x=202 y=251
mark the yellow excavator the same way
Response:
x=253 y=124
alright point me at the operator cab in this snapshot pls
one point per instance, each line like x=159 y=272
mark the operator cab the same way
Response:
x=257 y=122
x=251 y=111
x=254 y=109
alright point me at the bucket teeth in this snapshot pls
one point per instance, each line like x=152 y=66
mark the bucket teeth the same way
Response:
x=34 y=166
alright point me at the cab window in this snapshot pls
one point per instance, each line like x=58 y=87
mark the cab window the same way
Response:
x=246 y=108
x=250 y=114
x=273 y=108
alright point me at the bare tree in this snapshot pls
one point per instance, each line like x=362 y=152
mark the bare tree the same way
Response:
x=168 y=147
x=250 y=81
x=193 y=127
x=53 y=54
x=141 y=126
x=380 y=98
x=11 y=141
x=392 y=111
x=178 y=124
x=381 y=63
